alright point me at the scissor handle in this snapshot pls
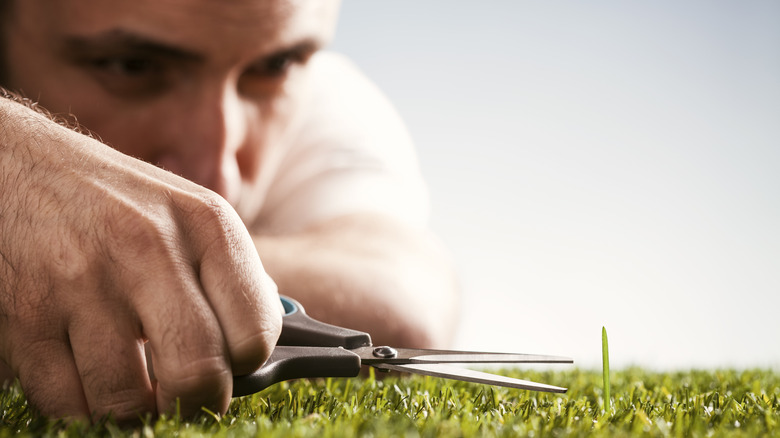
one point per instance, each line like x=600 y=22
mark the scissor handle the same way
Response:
x=288 y=363
x=300 y=329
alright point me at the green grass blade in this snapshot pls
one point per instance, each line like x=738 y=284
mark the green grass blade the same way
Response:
x=605 y=363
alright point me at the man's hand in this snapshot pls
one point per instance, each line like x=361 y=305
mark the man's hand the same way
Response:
x=100 y=253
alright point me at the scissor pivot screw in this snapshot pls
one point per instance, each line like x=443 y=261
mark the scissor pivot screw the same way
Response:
x=385 y=352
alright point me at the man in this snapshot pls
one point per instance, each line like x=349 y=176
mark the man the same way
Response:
x=102 y=252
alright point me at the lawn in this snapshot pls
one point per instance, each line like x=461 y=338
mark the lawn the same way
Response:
x=691 y=403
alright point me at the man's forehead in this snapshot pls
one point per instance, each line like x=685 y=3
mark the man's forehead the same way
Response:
x=196 y=24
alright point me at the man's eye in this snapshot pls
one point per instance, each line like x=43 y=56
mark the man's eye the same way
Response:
x=128 y=66
x=278 y=65
x=267 y=77
x=129 y=76
x=273 y=67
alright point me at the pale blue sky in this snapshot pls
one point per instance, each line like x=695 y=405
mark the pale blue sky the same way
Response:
x=596 y=163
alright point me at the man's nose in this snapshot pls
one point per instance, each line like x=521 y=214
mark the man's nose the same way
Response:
x=207 y=136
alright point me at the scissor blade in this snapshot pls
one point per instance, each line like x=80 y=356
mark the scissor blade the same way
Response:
x=369 y=356
x=466 y=375
x=489 y=358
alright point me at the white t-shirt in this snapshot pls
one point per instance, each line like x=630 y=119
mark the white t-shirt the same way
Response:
x=349 y=153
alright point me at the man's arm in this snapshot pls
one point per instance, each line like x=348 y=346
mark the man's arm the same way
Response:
x=102 y=254
x=368 y=272
x=344 y=225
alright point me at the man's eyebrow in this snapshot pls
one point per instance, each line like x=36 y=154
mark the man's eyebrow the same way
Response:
x=118 y=40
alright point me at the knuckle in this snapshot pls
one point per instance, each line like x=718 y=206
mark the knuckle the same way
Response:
x=123 y=405
x=130 y=228
x=119 y=391
x=195 y=378
x=43 y=400
x=140 y=240
x=212 y=201
x=251 y=352
x=47 y=385
x=212 y=216
x=208 y=207
x=69 y=263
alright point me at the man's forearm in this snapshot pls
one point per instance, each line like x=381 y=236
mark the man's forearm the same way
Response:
x=368 y=273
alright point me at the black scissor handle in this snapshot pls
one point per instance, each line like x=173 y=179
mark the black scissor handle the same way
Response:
x=287 y=363
x=300 y=329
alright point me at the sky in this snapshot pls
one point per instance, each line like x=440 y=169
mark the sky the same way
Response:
x=601 y=163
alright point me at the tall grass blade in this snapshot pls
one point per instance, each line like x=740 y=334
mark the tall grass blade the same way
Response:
x=605 y=363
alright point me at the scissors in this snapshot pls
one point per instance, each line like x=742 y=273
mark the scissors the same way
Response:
x=308 y=348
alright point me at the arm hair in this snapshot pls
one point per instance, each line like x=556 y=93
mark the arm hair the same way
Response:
x=69 y=121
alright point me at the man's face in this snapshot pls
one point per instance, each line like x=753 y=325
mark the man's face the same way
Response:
x=199 y=87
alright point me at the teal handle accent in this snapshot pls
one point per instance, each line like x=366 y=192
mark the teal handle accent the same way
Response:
x=289 y=305
x=300 y=329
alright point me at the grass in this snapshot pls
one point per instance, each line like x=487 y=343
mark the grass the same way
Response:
x=693 y=403
x=605 y=367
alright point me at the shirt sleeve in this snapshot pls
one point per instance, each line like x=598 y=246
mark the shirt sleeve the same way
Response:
x=351 y=154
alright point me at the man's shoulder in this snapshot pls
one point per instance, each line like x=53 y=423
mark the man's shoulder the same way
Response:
x=345 y=102
x=336 y=78
x=327 y=62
